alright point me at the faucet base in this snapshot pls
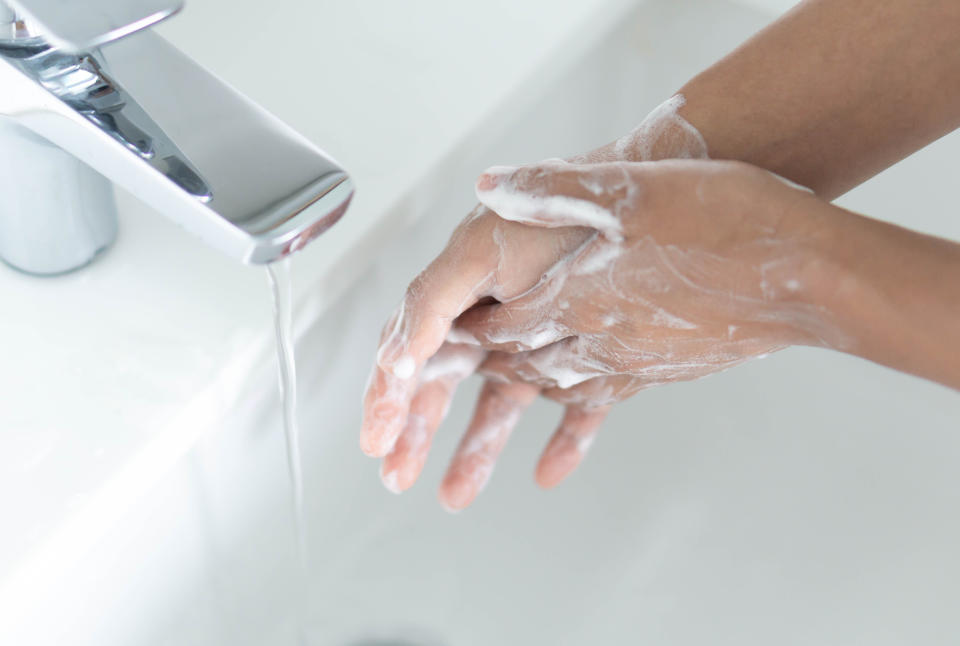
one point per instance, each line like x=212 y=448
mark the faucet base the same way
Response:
x=56 y=213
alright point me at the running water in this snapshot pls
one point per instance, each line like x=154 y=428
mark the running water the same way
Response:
x=278 y=275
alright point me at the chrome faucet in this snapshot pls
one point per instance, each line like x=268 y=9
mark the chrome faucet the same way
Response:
x=83 y=104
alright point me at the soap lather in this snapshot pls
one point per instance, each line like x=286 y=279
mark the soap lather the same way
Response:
x=89 y=95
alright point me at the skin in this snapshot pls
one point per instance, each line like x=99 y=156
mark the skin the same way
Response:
x=784 y=267
x=827 y=96
x=835 y=91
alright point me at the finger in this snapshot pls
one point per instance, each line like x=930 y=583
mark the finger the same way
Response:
x=561 y=365
x=385 y=408
x=524 y=324
x=417 y=330
x=383 y=404
x=553 y=194
x=498 y=410
x=439 y=380
x=530 y=321
x=569 y=444
x=548 y=313
x=445 y=289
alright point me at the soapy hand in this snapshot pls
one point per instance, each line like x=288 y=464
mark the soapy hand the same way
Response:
x=693 y=267
x=613 y=278
x=421 y=359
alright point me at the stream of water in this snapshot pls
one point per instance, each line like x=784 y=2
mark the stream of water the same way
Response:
x=278 y=276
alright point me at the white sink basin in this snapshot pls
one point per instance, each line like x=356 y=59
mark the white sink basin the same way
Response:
x=807 y=498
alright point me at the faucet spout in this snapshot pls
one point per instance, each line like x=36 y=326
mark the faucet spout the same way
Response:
x=150 y=119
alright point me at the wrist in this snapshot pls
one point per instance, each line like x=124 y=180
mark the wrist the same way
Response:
x=889 y=295
x=809 y=284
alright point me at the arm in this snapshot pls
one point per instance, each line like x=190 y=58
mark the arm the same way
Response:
x=829 y=95
x=835 y=91
x=714 y=263
x=894 y=293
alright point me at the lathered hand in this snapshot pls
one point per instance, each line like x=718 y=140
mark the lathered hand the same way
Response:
x=690 y=268
x=420 y=362
x=893 y=293
x=693 y=267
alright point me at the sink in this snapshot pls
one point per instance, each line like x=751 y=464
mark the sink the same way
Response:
x=806 y=498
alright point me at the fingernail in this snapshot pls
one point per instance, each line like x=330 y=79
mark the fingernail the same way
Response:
x=456 y=493
x=390 y=479
x=493 y=176
x=562 y=456
x=370 y=445
x=447 y=508
x=553 y=470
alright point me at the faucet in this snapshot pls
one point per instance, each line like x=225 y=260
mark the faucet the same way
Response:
x=89 y=95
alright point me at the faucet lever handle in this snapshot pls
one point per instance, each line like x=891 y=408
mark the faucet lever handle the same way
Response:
x=80 y=26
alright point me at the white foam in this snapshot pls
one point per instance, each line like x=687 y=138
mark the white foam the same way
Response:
x=666 y=319
x=565 y=366
x=549 y=210
x=452 y=363
x=394 y=340
x=600 y=258
x=663 y=120
x=404 y=367
x=584 y=442
x=461 y=336
x=546 y=332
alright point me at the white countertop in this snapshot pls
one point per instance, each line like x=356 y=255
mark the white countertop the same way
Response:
x=112 y=373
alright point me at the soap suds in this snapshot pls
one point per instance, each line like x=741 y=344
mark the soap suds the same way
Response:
x=460 y=336
x=453 y=361
x=404 y=367
x=548 y=210
x=664 y=130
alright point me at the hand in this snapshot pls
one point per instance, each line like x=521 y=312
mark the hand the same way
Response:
x=694 y=267
x=420 y=363
x=418 y=369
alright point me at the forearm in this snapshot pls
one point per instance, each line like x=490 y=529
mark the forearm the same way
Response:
x=835 y=91
x=892 y=295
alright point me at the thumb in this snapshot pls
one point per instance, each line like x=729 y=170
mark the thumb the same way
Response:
x=558 y=194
